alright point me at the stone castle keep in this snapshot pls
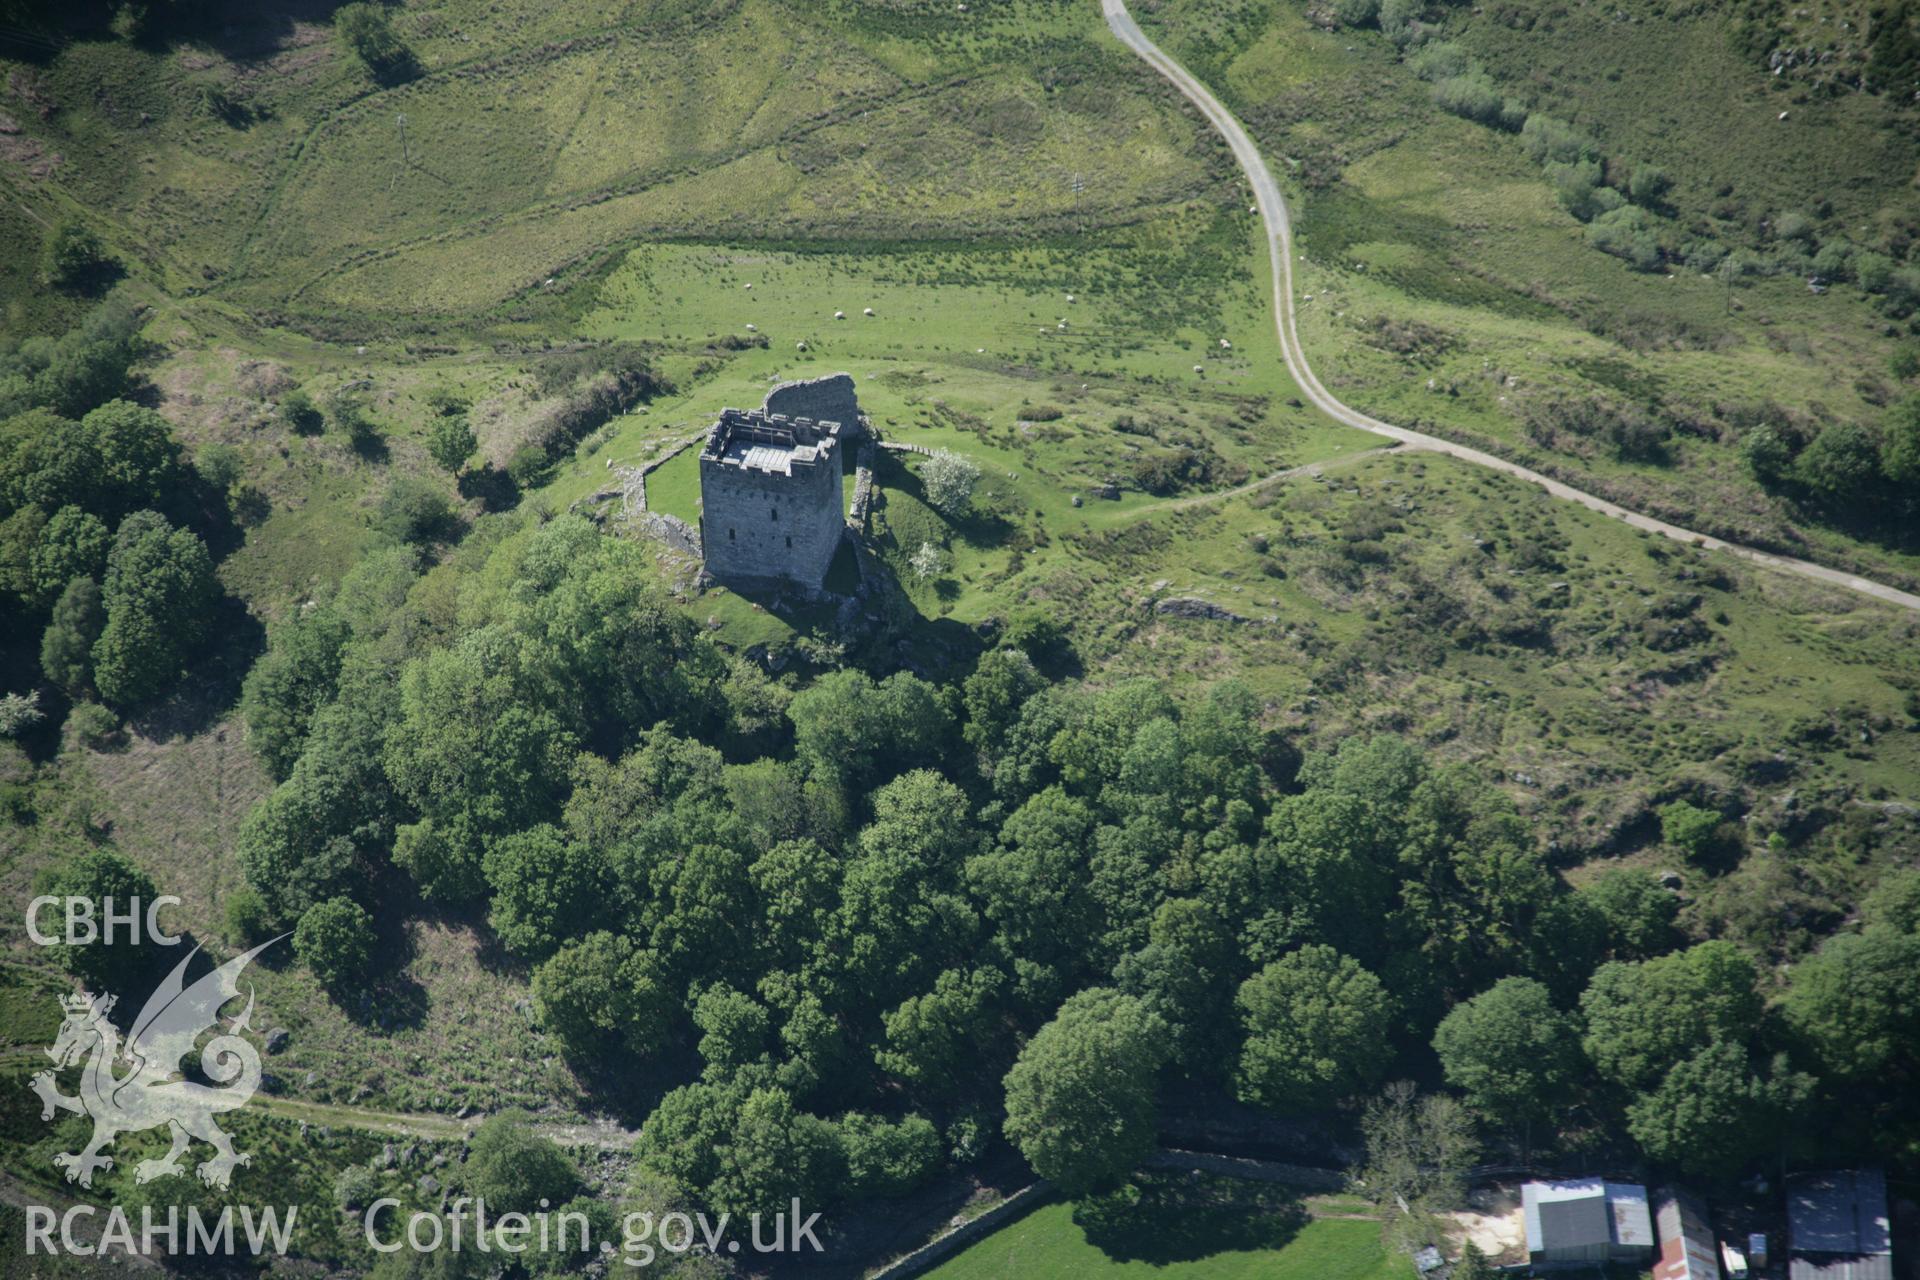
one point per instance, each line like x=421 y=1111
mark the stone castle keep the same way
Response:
x=771 y=486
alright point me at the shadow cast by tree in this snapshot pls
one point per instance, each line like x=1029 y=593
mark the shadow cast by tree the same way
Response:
x=390 y=999
x=212 y=686
x=1160 y=1220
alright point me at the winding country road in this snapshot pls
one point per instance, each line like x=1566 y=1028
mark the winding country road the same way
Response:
x=1273 y=212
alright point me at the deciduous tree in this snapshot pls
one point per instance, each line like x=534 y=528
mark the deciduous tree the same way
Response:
x=73 y=257
x=159 y=590
x=514 y=1169
x=335 y=940
x=66 y=646
x=290 y=682
x=73 y=544
x=1418 y=1152
x=450 y=440
x=1318 y=1028
x=105 y=878
x=949 y=479
x=601 y=989
x=1637 y=911
x=1510 y=1051
x=546 y=889
x=1644 y=1018
x=1856 y=1002
x=1713 y=1113
x=1080 y=1097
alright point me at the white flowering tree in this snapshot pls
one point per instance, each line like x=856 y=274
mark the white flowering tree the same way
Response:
x=928 y=562
x=19 y=712
x=949 y=480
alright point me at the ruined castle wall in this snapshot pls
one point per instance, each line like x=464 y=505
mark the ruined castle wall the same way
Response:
x=757 y=526
x=829 y=399
x=862 y=503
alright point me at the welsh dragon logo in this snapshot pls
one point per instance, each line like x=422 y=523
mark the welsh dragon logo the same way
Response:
x=137 y=1086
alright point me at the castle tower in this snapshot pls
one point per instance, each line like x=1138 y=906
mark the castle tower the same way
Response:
x=770 y=493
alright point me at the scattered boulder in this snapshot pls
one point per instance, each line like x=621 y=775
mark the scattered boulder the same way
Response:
x=277 y=1038
x=428 y=1184
x=1194 y=607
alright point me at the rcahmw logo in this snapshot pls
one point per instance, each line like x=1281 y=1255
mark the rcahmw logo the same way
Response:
x=130 y=1086
x=171 y=1231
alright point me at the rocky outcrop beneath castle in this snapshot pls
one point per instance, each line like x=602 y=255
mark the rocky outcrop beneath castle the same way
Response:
x=828 y=399
x=672 y=530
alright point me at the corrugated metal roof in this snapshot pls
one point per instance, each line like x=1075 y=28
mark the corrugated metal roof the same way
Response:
x=1535 y=1196
x=1632 y=1224
x=1686 y=1242
x=1878 y=1266
x=1842 y=1212
x=1585 y=1211
x=1575 y=1224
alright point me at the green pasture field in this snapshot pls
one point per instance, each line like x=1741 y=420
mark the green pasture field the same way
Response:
x=535 y=140
x=1047 y=1245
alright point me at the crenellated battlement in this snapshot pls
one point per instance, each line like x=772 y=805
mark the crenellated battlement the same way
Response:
x=771 y=504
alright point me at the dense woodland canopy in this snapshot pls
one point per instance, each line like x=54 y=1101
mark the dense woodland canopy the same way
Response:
x=863 y=925
x=857 y=926
x=104 y=521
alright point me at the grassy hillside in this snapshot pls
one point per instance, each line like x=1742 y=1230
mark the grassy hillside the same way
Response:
x=1450 y=288
x=1067 y=287
x=268 y=166
x=832 y=157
